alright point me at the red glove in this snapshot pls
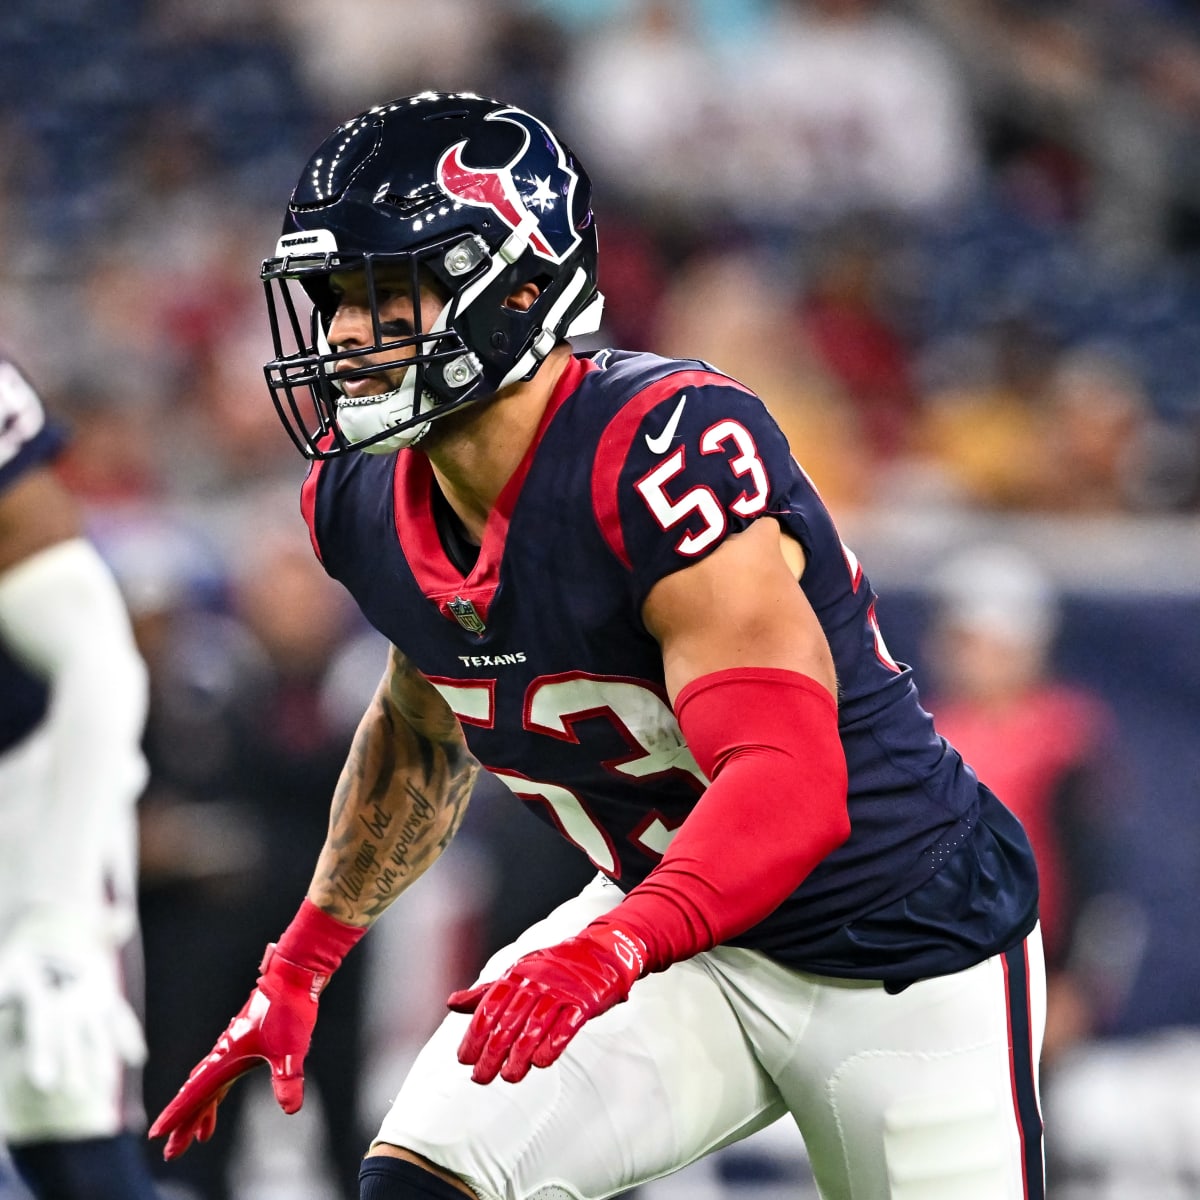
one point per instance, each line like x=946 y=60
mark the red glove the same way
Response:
x=527 y=1016
x=274 y=1026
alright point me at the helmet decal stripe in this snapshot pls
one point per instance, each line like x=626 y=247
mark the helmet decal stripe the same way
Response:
x=514 y=190
x=483 y=187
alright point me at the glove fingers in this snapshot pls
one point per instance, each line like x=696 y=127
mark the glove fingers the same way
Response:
x=183 y=1135
x=496 y=1027
x=465 y=1001
x=199 y=1128
x=488 y=1005
x=543 y=1017
x=177 y=1143
x=206 y=1085
x=566 y=1025
x=530 y=1014
x=206 y=1123
x=289 y=1091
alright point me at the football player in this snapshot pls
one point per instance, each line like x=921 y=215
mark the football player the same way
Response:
x=73 y=696
x=606 y=580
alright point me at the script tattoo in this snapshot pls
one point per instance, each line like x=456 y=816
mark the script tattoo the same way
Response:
x=401 y=797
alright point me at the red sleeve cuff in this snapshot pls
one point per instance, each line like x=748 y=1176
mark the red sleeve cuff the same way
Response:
x=316 y=940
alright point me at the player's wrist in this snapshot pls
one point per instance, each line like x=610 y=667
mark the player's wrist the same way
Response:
x=623 y=947
x=279 y=976
x=315 y=941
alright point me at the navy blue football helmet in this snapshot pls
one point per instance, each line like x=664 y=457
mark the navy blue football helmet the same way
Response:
x=472 y=195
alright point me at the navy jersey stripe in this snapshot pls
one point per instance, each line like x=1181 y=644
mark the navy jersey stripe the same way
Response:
x=1023 y=1069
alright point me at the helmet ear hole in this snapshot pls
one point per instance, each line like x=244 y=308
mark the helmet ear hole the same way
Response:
x=524 y=297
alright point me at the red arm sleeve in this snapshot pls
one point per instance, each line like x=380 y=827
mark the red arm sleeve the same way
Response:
x=776 y=806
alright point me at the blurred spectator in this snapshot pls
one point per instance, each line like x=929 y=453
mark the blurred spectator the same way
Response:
x=1035 y=73
x=633 y=278
x=978 y=436
x=641 y=95
x=144 y=135
x=1107 y=452
x=363 y=52
x=1050 y=750
x=847 y=319
x=853 y=108
x=727 y=310
x=846 y=107
x=229 y=444
x=1091 y=109
x=1168 y=75
x=113 y=458
x=1009 y=422
x=525 y=59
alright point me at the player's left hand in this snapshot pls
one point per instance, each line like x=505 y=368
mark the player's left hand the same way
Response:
x=527 y=1016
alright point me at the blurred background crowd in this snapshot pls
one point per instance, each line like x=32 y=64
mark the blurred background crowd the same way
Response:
x=953 y=244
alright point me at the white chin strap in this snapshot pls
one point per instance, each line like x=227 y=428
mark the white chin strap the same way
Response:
x=360 y=419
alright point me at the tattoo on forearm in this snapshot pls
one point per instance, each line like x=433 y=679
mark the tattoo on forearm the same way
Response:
x=399 y=802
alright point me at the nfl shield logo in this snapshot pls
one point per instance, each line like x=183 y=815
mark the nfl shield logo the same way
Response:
x=464 y=613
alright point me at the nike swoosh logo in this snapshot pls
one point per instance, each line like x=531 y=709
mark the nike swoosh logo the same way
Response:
x=662 y=443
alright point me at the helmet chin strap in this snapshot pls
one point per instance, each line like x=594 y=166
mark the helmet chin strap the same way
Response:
x=360 y=419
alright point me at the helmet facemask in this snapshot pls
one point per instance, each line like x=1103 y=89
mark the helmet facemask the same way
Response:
x=307 y=375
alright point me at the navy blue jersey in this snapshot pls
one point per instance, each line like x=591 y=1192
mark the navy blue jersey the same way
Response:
x=642 y=466
x=27 y=440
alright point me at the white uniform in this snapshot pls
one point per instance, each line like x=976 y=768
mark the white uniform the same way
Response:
x=73 y=695
x=864 y=1073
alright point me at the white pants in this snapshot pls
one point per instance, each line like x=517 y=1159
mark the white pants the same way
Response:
x=930 y=1094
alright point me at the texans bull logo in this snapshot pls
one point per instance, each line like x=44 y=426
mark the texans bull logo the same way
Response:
x=514 y=191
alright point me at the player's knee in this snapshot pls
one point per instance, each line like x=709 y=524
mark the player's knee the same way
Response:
x=383 y=1177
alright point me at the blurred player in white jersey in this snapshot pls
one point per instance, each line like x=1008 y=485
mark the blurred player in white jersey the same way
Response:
x=72 y=707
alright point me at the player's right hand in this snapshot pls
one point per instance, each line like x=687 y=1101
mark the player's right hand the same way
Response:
x=274 y=1026
x=527 y=1017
